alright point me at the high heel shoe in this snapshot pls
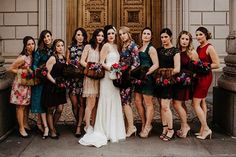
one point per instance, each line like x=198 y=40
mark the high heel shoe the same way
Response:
x=78 y=134
x=23 y=136
x=169 y=135
x=197 y=134
x=45 y=134
x=131 y=131
x=182 y=134
x=145 y=132
x=205 y=134
x=164 y=132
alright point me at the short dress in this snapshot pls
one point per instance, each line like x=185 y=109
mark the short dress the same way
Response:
x=21 y=94
x=51 y=96
x=184 y=93
x=148 y=88
x=166 y=60
x=75 y=85
x=129 y=56
x=203 y=81
x=40 y=57
x=91 y=86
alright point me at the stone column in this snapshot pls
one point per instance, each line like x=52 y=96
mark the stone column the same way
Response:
x=224 y=96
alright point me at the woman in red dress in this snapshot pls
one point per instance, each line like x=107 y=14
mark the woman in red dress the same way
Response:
x=183 y=91
x=207 y=54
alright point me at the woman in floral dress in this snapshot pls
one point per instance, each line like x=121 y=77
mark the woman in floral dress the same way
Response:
x=21 y=94
x=74 y=53
x=128 y=56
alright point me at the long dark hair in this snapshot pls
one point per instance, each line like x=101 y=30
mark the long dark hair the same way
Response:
x=42 y=35
x=93 y=40
x=84 y=33
x=25 y=41
x=167 y=31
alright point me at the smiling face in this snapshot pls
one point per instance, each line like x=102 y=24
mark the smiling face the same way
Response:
x=146 y=35
x=201 y=37
x=60 y=47
x=165 y=39
x=100 y=37
x=30 y=46
x=47 y=39
x=111 y=35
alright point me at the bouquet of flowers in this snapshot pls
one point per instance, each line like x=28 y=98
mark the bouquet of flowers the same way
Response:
x=201 y=67
x=115 y=71
x=94 y=70
x=183 y=79
x=42 y=72
x=26 y=77
x=60 y=85
x=163 y=77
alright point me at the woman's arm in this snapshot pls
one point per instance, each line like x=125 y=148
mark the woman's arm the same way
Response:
x=153 y=54
x=51 y=61
x=84 y=56
x=103 y=55
x=214 y=57
x=194 y=55
x=176 y=63
x=20 y=60
x=67 y=56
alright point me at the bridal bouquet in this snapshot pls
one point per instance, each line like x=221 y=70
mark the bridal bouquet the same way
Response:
x=201 y=67
x=115 y=71
x=41 y=72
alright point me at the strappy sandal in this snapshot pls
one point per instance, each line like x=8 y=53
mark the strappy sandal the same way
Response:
x=163 y=134
x=168 y=138
x=78 y=135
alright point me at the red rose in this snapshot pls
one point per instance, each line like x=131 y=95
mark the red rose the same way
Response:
x=165 y=82
x=23 y=75
x=115 y=66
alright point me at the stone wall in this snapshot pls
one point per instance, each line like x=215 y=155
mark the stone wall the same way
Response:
x=18 y=18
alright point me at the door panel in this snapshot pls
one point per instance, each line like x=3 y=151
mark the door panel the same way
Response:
x=135 y=14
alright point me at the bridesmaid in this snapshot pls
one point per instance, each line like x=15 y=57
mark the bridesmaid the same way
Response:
x=54 y=92
x=40 y=58
x=207 y=54
x=128 y=56
x=184 y=93
x=145 y=92
x=73 y=56
x=91 y=86
x=21 y=94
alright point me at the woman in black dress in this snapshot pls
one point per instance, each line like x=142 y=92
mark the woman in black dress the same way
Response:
x=54 y=91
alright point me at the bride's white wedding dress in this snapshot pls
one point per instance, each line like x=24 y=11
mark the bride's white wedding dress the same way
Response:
x=109 y=124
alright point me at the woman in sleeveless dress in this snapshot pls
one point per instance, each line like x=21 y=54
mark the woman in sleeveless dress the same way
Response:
x=40 y=58
x=109 y=124
x=91 y=86
x=21 y=94
x=169 y=57
x=145 y=92
x=54 y=91
x=128 y=57
x=75 y=85
x=183 y=93
x=207 y=54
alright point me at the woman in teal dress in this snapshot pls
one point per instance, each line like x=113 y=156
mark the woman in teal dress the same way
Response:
x=40 y=57
x=145 y=91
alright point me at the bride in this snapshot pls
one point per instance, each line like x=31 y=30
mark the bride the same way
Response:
x=109 y=124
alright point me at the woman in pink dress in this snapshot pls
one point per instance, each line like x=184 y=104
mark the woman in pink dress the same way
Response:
x=21 y=94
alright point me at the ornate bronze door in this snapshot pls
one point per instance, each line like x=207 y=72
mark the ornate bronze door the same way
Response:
x=93 y=14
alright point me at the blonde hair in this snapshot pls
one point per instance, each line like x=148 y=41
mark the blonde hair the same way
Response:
x=190 y=45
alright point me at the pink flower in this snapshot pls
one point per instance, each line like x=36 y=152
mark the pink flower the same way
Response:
x=44 y=73
x=178 y=79
x=165 y=81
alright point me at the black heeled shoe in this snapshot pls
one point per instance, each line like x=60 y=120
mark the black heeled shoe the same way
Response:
x=168 y=138
x=56 y=137
x=163 y=134
x=23 y=136
x=45 y=134
x=78 y=135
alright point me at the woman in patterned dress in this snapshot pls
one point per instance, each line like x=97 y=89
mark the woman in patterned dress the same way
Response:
x=21 y=94
x=40 y=58
x=54 y=91
x=73 y=56
x=169 y=57
x=184 y=93
x=128 y=56
x=207 y=54
x=145 y=92
x=91 y=86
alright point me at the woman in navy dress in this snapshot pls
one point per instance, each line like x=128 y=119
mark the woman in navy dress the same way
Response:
x=75 y=85
x=40 y=58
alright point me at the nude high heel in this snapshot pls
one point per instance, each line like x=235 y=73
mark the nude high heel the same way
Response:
x=145 y=132
x=131 y=131
x=206 y=134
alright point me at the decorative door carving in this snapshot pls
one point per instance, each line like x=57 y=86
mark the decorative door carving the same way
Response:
x=93 y=14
